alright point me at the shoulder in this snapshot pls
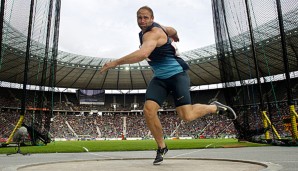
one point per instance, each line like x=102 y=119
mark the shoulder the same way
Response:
x=154 y=30
x=151 y=35
x=154 y=33
x=155 y=27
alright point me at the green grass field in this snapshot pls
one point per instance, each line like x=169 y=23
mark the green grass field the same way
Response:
x=127 y=145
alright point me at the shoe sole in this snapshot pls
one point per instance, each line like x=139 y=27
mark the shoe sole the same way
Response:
x=233 y=112
x=157 y=163
x=229 y=108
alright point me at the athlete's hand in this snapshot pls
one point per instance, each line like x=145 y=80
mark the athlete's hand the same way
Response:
x=107 y=66
x=175 y=38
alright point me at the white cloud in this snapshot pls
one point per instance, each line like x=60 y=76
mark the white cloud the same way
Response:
x=109 y=29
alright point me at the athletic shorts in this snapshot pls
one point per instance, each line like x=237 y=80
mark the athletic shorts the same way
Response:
x=159 y=89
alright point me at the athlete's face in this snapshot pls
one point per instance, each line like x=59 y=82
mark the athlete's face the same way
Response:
x=145 y=19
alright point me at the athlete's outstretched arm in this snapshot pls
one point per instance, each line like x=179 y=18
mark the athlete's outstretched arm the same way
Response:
x=149 y=43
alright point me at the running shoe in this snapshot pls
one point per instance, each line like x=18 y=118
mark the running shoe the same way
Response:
x=224 y=110
x=160 y=153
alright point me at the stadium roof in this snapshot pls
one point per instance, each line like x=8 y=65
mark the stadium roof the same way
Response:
x=77 y=71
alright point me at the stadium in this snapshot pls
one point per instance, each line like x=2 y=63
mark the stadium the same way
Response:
x=61 y=97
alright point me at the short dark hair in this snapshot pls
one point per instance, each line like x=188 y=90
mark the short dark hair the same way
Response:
x=146 y=8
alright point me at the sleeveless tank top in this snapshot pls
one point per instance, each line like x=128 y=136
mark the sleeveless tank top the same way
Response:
x=164 y=60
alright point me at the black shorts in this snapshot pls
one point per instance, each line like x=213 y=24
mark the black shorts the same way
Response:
x=159 y=89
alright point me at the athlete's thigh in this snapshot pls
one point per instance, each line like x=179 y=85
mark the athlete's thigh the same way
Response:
x=180 y=89
x=157 y=91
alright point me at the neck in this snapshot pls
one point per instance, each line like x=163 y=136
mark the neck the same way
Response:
x=145 y=28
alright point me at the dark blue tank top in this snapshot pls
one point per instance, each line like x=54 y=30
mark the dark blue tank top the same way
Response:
x=163 y=60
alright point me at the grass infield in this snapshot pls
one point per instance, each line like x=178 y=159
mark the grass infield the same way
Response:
x=126 y=145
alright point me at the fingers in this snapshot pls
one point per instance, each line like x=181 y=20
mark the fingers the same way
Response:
x=175 y=38
x=107 y=66
x=104 y=68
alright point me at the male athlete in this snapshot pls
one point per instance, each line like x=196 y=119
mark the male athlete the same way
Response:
x=170 y=75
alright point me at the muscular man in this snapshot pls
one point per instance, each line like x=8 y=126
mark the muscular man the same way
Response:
x=170 y=75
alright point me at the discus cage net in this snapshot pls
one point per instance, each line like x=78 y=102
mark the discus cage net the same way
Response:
x=257 y=45
x=29 y=38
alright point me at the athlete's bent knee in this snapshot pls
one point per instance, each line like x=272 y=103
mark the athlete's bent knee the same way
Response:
x=149 y=111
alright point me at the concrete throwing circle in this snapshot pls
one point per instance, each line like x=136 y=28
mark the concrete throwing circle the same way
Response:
x=169 y=164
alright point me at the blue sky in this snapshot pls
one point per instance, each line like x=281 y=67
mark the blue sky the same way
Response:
x=108 y=28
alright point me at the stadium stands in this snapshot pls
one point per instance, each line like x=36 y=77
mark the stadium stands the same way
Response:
x=107 y=122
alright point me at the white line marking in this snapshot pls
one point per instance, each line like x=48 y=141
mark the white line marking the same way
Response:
x=191 y=152
x=101 y=155
x=86 y=149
